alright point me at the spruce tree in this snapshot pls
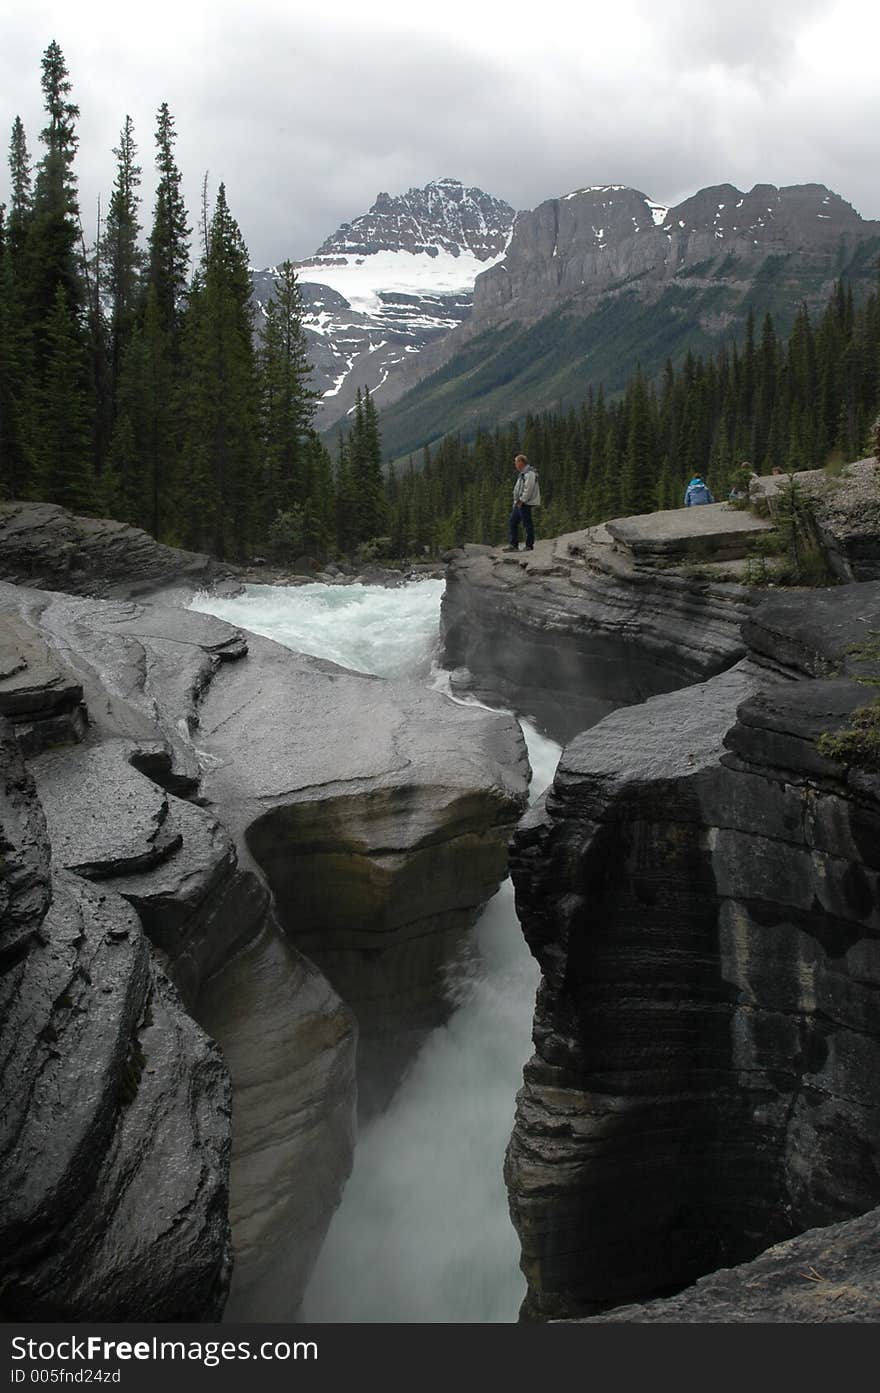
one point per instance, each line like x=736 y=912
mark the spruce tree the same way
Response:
x=121 y=256
x=21 y=203
x=287 y=401
x=143 y=446
x=348 y=532
x=220 y=449
x=62 y=435
x=52 y=258
x=319 y=523
x=17 y=412
x=169 y=244
x=639 y=476
x=364 y=461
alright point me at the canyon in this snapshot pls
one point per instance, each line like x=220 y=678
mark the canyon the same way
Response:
x=174 y=833
x=246 y=911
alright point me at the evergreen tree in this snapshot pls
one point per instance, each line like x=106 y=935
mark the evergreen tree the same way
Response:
x=16 y=380
x=168 y=257
x=143 y=446
x=62 y=437
x=365 y=464
x=51 y=253
x=217 y=506
x=21 y=204
x=348 y=532
x=287 y=401
x=319 y=523
x=122 y=258
x=639 y=476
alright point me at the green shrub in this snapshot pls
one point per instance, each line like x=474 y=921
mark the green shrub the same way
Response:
x=286 y=538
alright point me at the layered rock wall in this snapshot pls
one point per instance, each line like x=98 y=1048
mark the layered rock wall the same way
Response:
x=47 y=546
x=700 y=887
x=577 y=628
x=114 y=1147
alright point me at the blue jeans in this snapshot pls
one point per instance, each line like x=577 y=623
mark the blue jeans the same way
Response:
x=522 y=513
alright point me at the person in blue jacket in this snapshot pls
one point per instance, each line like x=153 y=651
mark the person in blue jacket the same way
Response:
x=697 y=492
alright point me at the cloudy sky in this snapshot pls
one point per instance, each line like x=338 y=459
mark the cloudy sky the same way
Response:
x=306 y=111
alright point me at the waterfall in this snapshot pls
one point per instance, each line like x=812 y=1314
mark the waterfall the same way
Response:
x=422 y=1233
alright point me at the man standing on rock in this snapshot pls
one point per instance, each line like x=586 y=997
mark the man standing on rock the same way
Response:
x=526 y=496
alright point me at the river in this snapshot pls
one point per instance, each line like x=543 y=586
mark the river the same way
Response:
x=422 y=1233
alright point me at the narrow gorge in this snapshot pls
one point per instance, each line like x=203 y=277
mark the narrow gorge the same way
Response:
x=239 y=891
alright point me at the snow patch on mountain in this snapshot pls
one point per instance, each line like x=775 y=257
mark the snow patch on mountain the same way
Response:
x=390 y=282
x=364 y=280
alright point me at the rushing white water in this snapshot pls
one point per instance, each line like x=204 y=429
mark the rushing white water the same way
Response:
x=392 y=633
x=423 y=1231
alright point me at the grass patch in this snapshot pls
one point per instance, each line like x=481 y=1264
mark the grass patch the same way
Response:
x=858 y=744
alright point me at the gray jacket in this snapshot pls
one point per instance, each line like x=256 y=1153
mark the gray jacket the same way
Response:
x=527 y=489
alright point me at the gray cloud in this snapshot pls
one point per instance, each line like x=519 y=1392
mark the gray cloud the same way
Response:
x=306 y=118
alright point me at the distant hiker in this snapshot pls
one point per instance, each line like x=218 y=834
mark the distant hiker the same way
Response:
x=526 y=496
x=742 y=479
x=697 y=492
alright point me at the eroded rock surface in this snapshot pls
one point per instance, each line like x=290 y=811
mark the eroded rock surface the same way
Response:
x=846 y=508
x=38 y=694
x=47 y=546
x=289 y=1043
x=830 y=1274
x=700 y=887
x=583 y=625
x=307 y=776
x=380 y=815
x=114 y=1147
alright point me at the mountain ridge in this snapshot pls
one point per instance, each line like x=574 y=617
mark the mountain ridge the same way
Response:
x=458 y=313
x=602 y=278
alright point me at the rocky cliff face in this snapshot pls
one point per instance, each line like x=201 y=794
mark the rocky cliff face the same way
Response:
x=114 y=1149
x=580 y=627
x=699 y=886
x=700 y=889
x=44 y=545
x=196 y=831
x=603 y=278
x=597 y=240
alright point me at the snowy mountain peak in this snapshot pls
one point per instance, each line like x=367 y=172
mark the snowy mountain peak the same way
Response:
x=444 y=216
x=390 y=282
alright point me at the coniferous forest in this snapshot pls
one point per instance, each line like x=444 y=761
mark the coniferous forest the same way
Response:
x=134 y=387
x=800 y=403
